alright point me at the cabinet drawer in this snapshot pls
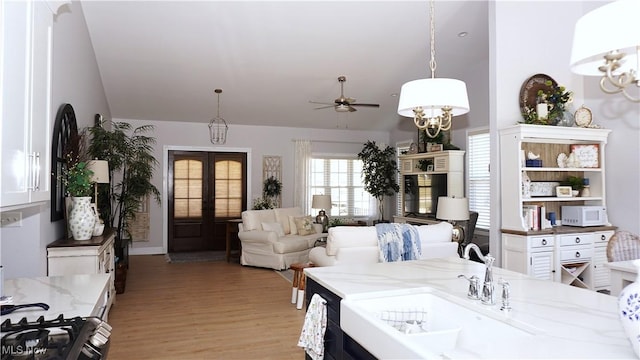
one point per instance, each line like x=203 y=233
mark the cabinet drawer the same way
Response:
x=576 y=239
x=576 y=254
x=542 y=241
x=601 y=239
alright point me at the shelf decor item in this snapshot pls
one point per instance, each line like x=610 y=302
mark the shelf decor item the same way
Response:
x=629 y=310
x=539 y=93
x=586 y=154
x=82 y=219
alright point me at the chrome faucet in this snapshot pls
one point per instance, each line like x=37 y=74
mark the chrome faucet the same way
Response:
x=487 y=297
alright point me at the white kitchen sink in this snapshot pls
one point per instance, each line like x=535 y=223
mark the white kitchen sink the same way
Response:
x=427 y=325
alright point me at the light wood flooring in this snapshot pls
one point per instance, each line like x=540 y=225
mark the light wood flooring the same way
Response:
x=206 y=310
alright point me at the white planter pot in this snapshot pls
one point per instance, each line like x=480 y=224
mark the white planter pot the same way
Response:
x=82 y=218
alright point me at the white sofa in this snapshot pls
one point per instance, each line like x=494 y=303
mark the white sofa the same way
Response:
x=359 y=245
x=270 y=238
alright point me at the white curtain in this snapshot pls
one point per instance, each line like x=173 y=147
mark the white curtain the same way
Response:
x=302 y=162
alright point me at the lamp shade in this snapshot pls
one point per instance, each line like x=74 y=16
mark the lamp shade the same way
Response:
x=321 y=202
x=432 y=95
x=100 y=170
x=614 y=26
x=452 y=209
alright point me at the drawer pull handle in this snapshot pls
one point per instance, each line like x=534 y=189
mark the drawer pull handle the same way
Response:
x=544 y=241
x=577 y=254
x=577 y=240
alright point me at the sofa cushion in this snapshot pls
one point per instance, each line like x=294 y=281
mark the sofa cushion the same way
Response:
x=253 y=219
x=351 y=236
x=274 y=226
x=440 y=232
x=290 y=243
x=304 y=225
x=282 y=216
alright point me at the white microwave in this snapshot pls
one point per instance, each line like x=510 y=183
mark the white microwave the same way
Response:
x=584 y=215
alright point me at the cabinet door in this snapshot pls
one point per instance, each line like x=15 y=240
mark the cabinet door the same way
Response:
x=40 y=117
x=15 y=124
x=542 y=265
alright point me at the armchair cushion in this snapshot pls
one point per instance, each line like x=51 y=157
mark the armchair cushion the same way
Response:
x=434 y=233
x=252 y=220
x=282 y=216
x=274 y=226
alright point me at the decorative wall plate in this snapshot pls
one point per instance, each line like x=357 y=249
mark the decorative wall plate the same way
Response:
x=529 y=90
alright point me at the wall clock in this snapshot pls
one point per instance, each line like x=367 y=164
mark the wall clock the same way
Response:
x=413 y=148
x=64 y=129
x=583 y=116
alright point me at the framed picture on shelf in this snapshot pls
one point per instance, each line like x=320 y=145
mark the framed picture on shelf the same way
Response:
x=587 y=154
x=433 y=147
x=563 y=191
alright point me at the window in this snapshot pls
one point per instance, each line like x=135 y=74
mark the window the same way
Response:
x=401 y=148
x=187 y=180
x=342 y=179
x=478 y=153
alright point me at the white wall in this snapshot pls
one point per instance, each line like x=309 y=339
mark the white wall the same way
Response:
x=75 y=81
x=259 y=140
x=519 y=50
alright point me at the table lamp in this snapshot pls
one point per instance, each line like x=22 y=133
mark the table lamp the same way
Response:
x=453 y=209
x=100 y=175
x=322 y=202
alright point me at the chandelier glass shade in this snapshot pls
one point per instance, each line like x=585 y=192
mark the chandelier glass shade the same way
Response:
x=218 y=126
x=606 y=42
x=433 y=102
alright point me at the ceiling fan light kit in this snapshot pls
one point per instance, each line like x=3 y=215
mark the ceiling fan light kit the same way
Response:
x=433 y=102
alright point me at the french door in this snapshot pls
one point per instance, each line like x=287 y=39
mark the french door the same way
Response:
x=205 y=190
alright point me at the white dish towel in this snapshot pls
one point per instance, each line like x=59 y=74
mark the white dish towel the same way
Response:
x=314 y=327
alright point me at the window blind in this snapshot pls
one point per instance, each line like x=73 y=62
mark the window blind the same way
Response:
x=478 y=154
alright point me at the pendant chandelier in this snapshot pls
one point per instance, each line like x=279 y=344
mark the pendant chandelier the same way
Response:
x=606 y=43
x=433 y=102
x=217 y=126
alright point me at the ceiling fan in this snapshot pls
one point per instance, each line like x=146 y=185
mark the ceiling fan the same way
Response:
x=343 y=104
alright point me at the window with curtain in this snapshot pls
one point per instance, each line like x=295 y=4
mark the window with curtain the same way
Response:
x=478 y=153
x=342 y=179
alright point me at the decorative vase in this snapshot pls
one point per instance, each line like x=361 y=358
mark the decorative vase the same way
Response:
x=82 y=219
x=629 y=310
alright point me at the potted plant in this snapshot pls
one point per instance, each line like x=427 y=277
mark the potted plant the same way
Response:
x=379 y=170
x=130 y=155
x=77 y=182
x=576 y=183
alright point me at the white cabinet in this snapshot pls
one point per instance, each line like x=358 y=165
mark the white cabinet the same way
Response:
x=26 y=30
x=426 y=176
x=561 y=255
x=533 y=255
x=93 y=256
x=548 y=142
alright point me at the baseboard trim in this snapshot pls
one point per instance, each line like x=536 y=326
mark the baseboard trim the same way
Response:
x=146 y=251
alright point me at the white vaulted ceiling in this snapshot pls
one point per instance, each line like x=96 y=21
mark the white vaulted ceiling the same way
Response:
x=161 y=60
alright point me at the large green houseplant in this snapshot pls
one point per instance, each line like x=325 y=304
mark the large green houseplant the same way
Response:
x=379 y=171
x=131 y=163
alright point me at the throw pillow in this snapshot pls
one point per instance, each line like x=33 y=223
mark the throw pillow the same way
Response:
x=292 y=225
x=277 y=227
x=304 y=225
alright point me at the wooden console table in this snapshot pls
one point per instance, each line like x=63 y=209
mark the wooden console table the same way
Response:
x=232 y=229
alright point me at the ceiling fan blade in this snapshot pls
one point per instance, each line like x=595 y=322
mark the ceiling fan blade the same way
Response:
x=321 y=103
x=323 y=107
x=352 y=109
x=369 y=105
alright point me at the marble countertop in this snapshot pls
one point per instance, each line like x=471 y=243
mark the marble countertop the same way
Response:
x=69 y=295
x=572 y=322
